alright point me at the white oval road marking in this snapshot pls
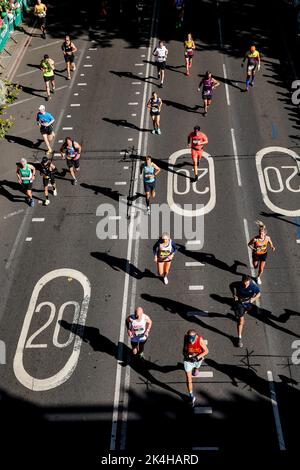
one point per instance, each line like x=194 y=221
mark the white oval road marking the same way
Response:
x=206 y=208
x=263 y=183
x=67 y=370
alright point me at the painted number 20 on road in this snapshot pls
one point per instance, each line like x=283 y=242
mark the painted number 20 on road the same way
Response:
x=30 y=341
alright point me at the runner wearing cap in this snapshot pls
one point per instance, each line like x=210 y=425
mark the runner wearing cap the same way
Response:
x=253 y=64
x=45 y=122
x=196 y=140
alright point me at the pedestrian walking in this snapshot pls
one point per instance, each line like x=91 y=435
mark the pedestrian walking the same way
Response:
x=164 y=251
x=138 y=328
x=45 y=122
x=194 y=350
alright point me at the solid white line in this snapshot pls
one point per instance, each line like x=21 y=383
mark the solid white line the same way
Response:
x=114 y=217
x=133 y=104
x=92 y=48
x=274 y=402
x=127 y=277
x=44 y=45
x=11 y=214
x=120 y=183
x=202 y=410
x=226 y=85
x=67 y=128
x=38 y=219
x=196 y=287
x=17 y=240
x=36 y=70
x=74 y=104
x=28 y=239
x=199 y=313
x=236 y=158
x=205 y=448
x=190 y=264
x=246 y=230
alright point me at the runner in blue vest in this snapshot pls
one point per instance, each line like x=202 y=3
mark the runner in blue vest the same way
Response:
x=150 y=172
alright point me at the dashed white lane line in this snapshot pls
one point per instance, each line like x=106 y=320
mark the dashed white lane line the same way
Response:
x=141 y=73
x=125 y=167
x=139 y=65
x=130 y=139
x=133 y=114
x=67 y=128
x=132 y=104
x=76 y=94
x=69 y=116
x=196 y=287
x=114 y=217
x=82 y=74
x=203 y=410
x=143 y=55
x=136 y=83
x=236 y=158
x=87 y=65
x=38 y=219
x=198 y=313
x=190 y=264
x=120 y=183
x=82 y=84
x=92 y=48
x=137 y=92
x=280 y=437
x=297 y=241
x=74 y=104
x=60 y=141
x=28 y=239
x=226 y=85
x=88 y=57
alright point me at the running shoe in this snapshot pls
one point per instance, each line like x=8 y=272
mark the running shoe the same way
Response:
x=158 y=131
x=74 y=182
x=240 y=342
x=54 y=192
x=49 y=152
x=46 y=202
x=258 y=280
x=148 y=210
x=192 y=400
x=187 y=73
x=31 y=202
x=153 y=131
x=166 y=280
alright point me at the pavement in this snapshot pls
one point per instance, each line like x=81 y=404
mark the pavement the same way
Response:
x=70 y=391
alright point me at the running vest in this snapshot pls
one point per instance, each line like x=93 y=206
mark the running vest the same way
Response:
x=26 y=174
x=155 y=105
x=161 y=54
x=48 y=69
x=261 y=246
x=189 y=47
x=149 y=173
x=71 y=152
x=196 y=141
x=45 y=171
x=67 y=49
x=207 y=86
x=195 y=348
x=138 y=327
x=252 y=58
x=165 y=251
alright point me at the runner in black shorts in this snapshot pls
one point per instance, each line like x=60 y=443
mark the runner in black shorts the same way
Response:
x=259 y=246
x=48 y=172
x=40 y=11
x=71 y=150
x=69 y=48
x=150 y=172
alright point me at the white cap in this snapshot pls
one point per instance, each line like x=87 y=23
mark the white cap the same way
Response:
x=42 y=107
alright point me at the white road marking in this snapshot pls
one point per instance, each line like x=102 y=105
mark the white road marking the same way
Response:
x=67 y=128
x=142 y=47
x=88 y=57
x=226 y=85
x=139 y=65
x=87 y=65
x=60 y=141
x=125 y=167
x=136 y=83
x=28 y=239
x=196 y=287
x=143 y=55
x=113 y=237
x=120 y=183
x=57 y=154
x=197 y=313
x=137 y=92
x=127 y=276
x=11 y=214
x=133 y=114
x=69 y=116
x=36 y=70
x=92 y=48
x=17 y=240
x=297 y=241
x=74 y=104
x=246 y=230
x=132 y=104
x=81 y=84
x=190 y=264
x=261 y=177
x=236 y=158
x=204 y=374
x=274 y=402
x=130 y=139
x=204 y=208
x=76 y=94
x=140 y=73
x=45 y=45
x=67 y=370
x=202 y=410
x=114 y=217
x=82 y=74
x=192 y=242
x=38 y=219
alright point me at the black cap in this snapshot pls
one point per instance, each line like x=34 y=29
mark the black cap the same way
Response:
x=197 y=128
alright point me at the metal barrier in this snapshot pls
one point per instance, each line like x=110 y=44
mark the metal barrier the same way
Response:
x=10 y=22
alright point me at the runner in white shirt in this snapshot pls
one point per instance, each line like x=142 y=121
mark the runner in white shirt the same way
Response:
x=138 y=326
x=161 y=54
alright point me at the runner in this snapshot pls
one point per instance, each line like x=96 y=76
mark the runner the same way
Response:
x=45 y=122
x=47 y=67
x=189 y=47
x=26 y=176
x=48 y=172
x=150 y=171
x=40 y=11
x=71 y=150
x=259 y=247
x=164 y=250
x=161 y=54
x=194 y=350
x=245 y=293
x=69 y=48
x=155 y=104
x=138 y=328
x=196 y=140
x=179 y=5
x=208 y=83
x=253 y=64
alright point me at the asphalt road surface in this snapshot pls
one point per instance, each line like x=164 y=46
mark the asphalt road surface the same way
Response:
x=69 y=389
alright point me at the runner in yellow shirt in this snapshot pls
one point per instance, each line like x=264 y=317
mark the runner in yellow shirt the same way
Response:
x=40 y=11
x=253 y=63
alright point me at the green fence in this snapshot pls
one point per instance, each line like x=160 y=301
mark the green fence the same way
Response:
x=11 y=20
